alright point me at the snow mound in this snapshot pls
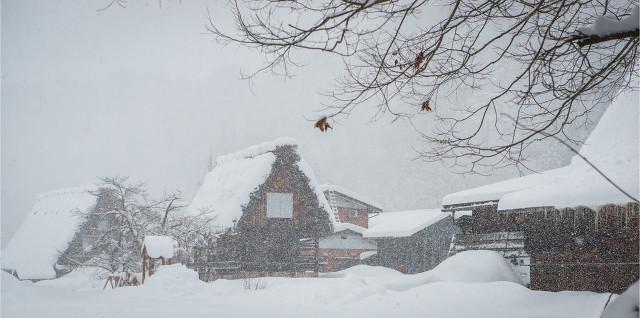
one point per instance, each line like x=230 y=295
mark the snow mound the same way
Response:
x=173 y=276
x=364 y=271
x=465 y=267
x=625 y=305
x=77 y=280
x=475 y=267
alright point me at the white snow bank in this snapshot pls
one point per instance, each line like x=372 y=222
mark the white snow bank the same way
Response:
x=14 y=290
x=349 y=193
x=77 y=280
x=468 y=267
x=338 y=297
x=403 y=223
x=175 y=276
x=604 y=25
x=159 y=246
x=365 y=271
x=625 y=305
x=46 y=232
x=473 y=267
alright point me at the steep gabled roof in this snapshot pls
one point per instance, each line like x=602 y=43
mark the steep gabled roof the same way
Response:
x=402 y=223
x=612 y=147
x=356 y=196
x=226 y=189
x=46 y=232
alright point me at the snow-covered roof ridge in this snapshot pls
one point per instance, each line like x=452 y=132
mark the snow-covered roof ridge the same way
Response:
x=349 y=193
x=70 y=190
x=46 y=232
x=256 y=150
x=313 y=183
x=612 y=146
x=402 y=223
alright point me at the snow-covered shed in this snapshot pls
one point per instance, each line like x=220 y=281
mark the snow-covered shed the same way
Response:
x=34 y=250
x=580 y=230
x=411 y=241
x=154 y=248
x=264 y=200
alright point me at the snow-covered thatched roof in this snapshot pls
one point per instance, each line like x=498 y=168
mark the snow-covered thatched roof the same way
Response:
x=402 y=223
x=46 y=232
x=159 y=246
x=612 y=147
x=227 y=188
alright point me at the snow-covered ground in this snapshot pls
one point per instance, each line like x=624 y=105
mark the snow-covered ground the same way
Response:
x=471 y=284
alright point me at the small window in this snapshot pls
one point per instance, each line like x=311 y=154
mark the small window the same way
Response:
x=280 y=205
x=353 y=213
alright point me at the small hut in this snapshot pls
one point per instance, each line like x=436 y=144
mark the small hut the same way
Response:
x=156 y=250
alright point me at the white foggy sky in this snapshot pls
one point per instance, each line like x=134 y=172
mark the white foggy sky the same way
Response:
x=144 y=92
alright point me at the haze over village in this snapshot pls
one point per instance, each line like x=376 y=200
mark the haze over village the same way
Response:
x=261 y=159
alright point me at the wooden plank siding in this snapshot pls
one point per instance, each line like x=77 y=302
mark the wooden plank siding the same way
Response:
x=259 y=243
x=419 y=252
x=572 y=248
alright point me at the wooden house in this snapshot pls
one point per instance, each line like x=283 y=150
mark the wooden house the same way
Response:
x=578 y=230
x=343 y=248
x=52 y=227
x=267 y=210
x=156 y=250
x=411 y=241
x=350 y=207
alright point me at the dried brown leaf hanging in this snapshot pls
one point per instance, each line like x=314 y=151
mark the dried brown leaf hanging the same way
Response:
x=322 y=124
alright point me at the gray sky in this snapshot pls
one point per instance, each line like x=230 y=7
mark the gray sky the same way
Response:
x=145 y=92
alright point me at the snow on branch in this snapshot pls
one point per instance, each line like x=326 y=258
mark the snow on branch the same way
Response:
x=606 y=28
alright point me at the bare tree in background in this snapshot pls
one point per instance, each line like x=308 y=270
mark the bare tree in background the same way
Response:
x=111 y=234
x=417 y=53
x=188 y=230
